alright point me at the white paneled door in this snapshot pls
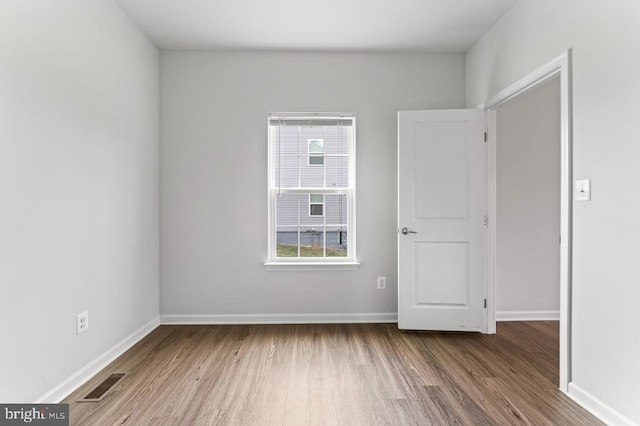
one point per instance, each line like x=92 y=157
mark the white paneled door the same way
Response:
x=442 y=207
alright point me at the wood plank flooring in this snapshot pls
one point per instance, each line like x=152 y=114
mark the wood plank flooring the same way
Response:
x=345 y=374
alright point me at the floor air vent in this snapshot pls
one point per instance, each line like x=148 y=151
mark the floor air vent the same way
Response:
x=101 y=390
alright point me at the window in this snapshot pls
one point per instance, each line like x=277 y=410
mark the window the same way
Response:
x=311 y=189
x=316 y=205
x=316 y=152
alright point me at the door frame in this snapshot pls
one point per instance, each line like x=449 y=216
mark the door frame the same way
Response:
x=557 y=67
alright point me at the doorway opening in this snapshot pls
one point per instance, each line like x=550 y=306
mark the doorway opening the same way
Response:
x=528 y=220
x=558 y=68
x=528 y=206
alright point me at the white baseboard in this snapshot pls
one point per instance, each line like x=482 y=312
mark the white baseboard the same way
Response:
x=598 y=408
x=279 y=319
x=77 y=379
x=528 y=316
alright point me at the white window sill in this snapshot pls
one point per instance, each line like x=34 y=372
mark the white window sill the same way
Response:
x=311 y=266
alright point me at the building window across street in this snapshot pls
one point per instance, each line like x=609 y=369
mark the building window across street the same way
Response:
x=316 y=152
x=316 y=205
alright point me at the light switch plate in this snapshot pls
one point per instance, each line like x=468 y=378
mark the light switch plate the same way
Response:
x=583 y=190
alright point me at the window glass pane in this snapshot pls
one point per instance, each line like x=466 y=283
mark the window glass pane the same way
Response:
x=301 y=235
x=337 y=171
x=286 y=171
x=336 y=242
x=286 y=141
x=336 y=140
x=311 y=175
x=307 y=242
x=287 y=207
x=312 y=243
x=316 y=210
x=336 y=210
x=316 y=146
x=316 y=160
x=287 y=243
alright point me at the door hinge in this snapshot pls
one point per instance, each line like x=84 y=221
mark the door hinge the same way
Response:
x=486 y=136
x=486 y=220
x=485 y=303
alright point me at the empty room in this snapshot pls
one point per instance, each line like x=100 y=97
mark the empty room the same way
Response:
x=328 y=213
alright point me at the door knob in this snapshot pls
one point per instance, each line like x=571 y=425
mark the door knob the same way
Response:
x=406 y=231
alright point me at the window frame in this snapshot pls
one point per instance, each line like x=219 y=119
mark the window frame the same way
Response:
x=275 y=263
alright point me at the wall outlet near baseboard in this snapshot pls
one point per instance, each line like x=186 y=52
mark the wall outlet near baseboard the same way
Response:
x=82 y=322
x=381 y=283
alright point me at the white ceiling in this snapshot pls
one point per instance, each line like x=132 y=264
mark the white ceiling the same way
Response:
x=353 y=25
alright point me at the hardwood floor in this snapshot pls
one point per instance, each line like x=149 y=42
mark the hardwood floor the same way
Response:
x=347 y=374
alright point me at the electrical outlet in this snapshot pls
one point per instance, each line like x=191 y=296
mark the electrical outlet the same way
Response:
x=381 y=283
x=82 y=322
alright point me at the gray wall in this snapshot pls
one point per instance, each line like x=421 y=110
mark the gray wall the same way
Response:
x=78 y=187
x=214 y=155
x=528 y=203
x=604 y=38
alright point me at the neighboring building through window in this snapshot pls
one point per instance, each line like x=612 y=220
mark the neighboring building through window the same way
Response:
x=311 y=187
